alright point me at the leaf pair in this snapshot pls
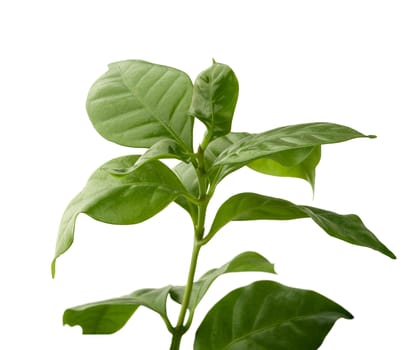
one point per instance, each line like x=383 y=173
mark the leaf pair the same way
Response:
x=108 y=316
x=138 y=104
x=264 y=314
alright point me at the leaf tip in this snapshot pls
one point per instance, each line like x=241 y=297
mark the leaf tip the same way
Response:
x=386 y=251
x=349 y=316
x=372 y=136
x=391 y=255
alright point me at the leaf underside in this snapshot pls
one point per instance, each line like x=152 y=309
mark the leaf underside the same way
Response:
x=242 y=150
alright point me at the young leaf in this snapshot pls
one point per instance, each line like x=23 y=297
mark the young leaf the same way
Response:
x=108 y=316
x=214 y=149
x=300 y=163
x=214 y=98
x=125 y=200
x=252 y=206
x=217 y=146
x=247 y=261
x=268 y=315
x=137 y=103
x=187 y=175
x=160 y=150
x=269 y=143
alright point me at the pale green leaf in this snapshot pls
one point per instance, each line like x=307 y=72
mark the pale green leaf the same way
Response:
x=299 y=163
x=137 y=103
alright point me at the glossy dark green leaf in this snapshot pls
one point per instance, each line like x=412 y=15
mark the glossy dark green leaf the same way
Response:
x=252 y=206
x=247 y=261
x=108 y=316
x=300 y=163
x=214 y=98
x=256 y=146
x=124 y=200
x=268 y=315
x=137 y=103
x=161 y=150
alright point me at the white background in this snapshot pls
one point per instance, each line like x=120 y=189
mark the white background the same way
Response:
x=348 y=62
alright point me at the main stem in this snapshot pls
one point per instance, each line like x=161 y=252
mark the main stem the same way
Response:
x=199 y=228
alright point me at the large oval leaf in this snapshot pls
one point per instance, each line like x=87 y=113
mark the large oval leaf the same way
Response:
x=137 y=103
x=247 y=261
x=214 y=98
x=267 y=315
x=108 y=316
x=124 y=200
x=252 y=206
x=256 y=146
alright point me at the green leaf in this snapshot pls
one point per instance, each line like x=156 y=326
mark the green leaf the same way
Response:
x=214 y=98
x=214 y=149
x=268 y=315
x=252 y=206
x=247 y=261
x=161 y=150
x=108 y=316
x=267 y=144
x=217 y=146
x=187 y=175
x=137 y=103
x=125 y=200
x=300 y=163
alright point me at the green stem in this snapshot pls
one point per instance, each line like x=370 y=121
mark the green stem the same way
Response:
x=181 y=328
x=176 y=341
x=199 y=228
